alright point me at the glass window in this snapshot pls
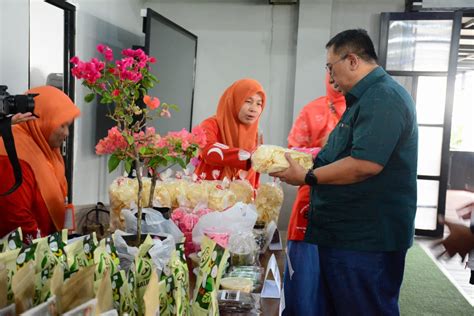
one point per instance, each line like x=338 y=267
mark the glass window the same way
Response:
x=430 y=140
x=406 y=82
x=462 y=128
x=419 y=45
x=427 y=210
x=431 y=100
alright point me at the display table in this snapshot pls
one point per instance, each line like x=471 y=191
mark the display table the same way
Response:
x=269 y=306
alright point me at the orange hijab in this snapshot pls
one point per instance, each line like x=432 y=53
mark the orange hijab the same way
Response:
x=233 y=132
x=54 y=108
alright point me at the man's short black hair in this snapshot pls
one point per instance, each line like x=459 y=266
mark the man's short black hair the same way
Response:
x=355 y=41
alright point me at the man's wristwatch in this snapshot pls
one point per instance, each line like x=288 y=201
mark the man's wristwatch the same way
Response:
x=310 y=178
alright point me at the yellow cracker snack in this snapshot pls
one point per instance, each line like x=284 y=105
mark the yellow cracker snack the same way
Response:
x=268 y=202
x=271 y=158
x=243 y=191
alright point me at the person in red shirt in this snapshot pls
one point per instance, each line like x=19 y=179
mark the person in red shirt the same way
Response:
x=301 y=279
x=38 y=205
x=232 y=134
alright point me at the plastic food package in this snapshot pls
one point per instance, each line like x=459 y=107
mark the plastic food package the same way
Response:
x=186 y=219
x=211 y=268
x=122 y=192
x=12 y=241
x=177 y=192
x=254 y=273
x=221 y=198
x=243 y=191
x=153 y=223
x=270 y=158
x=269 y=201
x=238 y=303
x=237 y=283
x=197 y=194
x=161 y=196
x=239 y=218
x=243 y=249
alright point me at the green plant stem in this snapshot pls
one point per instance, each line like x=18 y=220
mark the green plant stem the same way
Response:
x=139 y=169
x=152 y=188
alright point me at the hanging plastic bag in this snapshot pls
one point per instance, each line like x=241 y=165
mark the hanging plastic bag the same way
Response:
x=239 y=218
x=153 y=223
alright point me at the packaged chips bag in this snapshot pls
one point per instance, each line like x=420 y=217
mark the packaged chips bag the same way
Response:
x=271 y=158
x=12 y=241
x=76 y=290
x=174 y=285
x=151 y=298
x=142 y=268
x=8 y=264
x=23 y=286
x=123 y=298
x=243 y=190
x=269 y=201
x=80 y=253
x=211 y=268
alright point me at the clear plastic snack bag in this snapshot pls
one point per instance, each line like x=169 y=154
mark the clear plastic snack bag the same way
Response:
x=271 y=158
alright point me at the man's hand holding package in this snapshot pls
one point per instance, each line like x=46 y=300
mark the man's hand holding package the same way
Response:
x=295 y=173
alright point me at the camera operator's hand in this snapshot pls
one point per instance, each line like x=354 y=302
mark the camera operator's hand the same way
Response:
x=22 y=117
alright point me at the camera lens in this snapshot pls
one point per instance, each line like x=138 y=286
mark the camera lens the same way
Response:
x=22 y=104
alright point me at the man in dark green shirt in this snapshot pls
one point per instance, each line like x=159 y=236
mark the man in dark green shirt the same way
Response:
x=363 y=199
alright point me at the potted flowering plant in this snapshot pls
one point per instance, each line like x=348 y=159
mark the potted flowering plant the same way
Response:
x=124 y=82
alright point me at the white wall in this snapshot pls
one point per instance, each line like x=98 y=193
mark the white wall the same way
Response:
x=347 y=14
x=14 y=46
x=238 y=39
x=282 y=46
x=46 y=41
x=313 y=32
x=119 y=26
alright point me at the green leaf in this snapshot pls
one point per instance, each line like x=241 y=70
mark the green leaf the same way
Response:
x=129 y=139
x=174 y=107
x=181 y=163
x=88 y=98
x=114 y=161
x=128 y=165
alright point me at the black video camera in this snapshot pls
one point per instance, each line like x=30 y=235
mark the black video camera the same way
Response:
x=9 y=105
x=12 y=104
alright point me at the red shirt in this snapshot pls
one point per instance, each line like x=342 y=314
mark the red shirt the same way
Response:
x=25 y=207
x=311 y=128
x=216 y=156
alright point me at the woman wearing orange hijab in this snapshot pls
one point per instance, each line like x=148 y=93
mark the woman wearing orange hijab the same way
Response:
x=311 y=129
x=232 y=134
x=38 y=205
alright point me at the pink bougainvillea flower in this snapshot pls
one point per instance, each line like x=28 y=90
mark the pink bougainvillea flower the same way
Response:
x=151 y=102
x=111 y=143
x=199 y=136
x=195 y=161
x=75 y=60
x=106 y=51
x=165 y=113
x=116 y=92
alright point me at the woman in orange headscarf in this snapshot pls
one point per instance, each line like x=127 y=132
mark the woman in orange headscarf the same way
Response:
x=311 y=129
x=232 y=134
x=38 y=205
